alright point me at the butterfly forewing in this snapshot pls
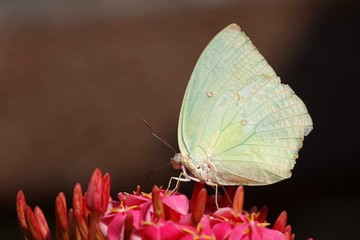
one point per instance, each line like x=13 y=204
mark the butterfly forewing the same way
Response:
x=237 y=114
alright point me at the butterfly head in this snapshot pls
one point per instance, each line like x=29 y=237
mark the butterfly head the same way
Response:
x=177 y=161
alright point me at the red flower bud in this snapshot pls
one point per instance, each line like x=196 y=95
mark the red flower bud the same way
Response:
x=194 y=195
x=262 y=214
x=158 y=204
x=239 y=200
x=33 y=225
x=61 y=217
x=20 y=208
x=79 y=211
x=280 y=222
x=200 y=204
x=128 y=226
x=228 y=196
x=106 y=192
x=138 y=190
x=41 y=220
x=73 y=232
x=94 y=201
x=287 y=233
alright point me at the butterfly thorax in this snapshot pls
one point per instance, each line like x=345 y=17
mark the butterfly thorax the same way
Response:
x=203 y=171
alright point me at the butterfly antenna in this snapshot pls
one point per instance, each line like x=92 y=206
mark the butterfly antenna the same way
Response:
x=158 y=136
x=153 y=170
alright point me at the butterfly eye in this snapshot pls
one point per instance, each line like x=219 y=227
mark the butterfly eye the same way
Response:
x=176 y=161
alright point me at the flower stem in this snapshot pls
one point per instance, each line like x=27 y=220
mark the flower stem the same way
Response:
x=93 y=225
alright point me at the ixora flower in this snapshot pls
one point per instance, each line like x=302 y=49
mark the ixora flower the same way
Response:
x=159 y=215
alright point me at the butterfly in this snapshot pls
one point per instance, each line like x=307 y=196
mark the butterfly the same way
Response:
x=238 y=124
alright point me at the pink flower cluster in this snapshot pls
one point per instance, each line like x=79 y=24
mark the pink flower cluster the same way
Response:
x=164 y=215
x=157 y=215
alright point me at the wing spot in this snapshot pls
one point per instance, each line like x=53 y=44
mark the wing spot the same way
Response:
x=209 y=94
x=239 y=97
x=270 y=77
x=243 y=122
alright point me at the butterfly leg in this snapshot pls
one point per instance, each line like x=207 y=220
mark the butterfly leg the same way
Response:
x=216 y=192
x=227 y=195
x=216 y=186
x=183 y=177
x=186 y=175
x=179 y=179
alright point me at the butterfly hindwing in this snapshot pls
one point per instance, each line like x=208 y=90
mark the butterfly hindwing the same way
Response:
x=238 y=115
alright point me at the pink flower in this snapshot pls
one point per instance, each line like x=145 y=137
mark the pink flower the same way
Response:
x=201 y=231
x=156 y=215
x=160 y=229
x=251 y=229
x=235 y=223
x=280 y=225
x=227 y=218
x=146 y=211
x=119 y=220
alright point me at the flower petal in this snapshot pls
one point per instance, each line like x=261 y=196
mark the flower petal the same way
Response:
x=239 y=232
x=221 y=230
x=178 y=203
x=161 y=230
x=270 y=234
x=116 y=227
x=133 y=200
x=224 y=212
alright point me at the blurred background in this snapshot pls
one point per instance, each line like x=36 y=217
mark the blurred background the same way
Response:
x=76 y=78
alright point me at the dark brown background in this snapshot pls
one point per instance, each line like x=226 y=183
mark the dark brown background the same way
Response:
x=76 y=80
